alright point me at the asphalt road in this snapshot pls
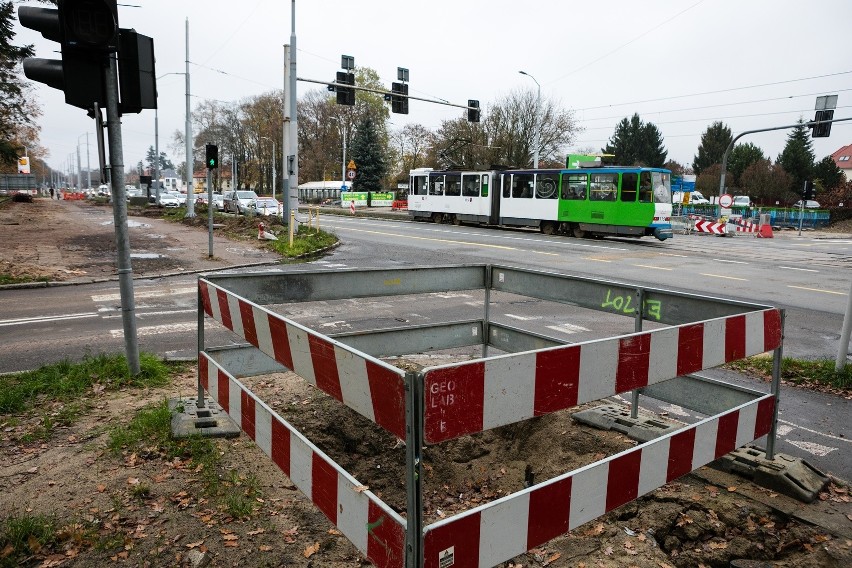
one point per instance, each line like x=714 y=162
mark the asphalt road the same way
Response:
x=807 y=277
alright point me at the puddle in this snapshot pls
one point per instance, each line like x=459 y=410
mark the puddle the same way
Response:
x=131 y=224
x=146 y=255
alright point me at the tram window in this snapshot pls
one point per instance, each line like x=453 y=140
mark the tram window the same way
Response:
x=628 y=186
x=522 y=186
x=419 y=186
x=470 y=185
x=453 y=186
x=603 y=187
x=547 y=186
x=436 y=185
x=574 y=186
x=507 y=186
x=646 y=195
x=484 y=185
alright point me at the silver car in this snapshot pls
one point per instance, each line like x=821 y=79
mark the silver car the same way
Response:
x=239 y=201
x=169 y=200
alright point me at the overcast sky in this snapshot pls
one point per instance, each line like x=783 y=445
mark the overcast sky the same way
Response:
x=680 y=64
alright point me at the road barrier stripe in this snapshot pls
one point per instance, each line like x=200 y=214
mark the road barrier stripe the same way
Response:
x=503 y=529
x=466 y=398
x=375 y=529
x=368 y=386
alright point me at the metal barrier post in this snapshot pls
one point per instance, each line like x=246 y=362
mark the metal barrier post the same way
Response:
x=486 y=332
x=637 y=326
x=777 y=356
x=200 y=304
x=318 y=210
x=414 y=411
x=292 y=222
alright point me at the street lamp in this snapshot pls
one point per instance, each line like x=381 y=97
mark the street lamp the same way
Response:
x=88 y=164
x=157 y=143
x=273 y=163
x=343 y=161
x=537 y=119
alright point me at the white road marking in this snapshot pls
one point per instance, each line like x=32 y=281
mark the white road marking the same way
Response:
x=46 y=319
x=649 y=266
x=140 y=314
x=801 y=269
x=818 y=290
x=568 y=328
x=139 y=294
x=449 y=295
x=725 y=277
x=522 y=318
x=672 y=254
x=335 y=324
x=823 y=434
x=812 y=448
x=158 y=329
x=729 y=261
x=783 y=430
x=674 y=409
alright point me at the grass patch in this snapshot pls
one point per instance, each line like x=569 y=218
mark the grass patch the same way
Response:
x=65 y=380
x=9 y=279
x=305 y=241
x=24 y=536
x=817 y=372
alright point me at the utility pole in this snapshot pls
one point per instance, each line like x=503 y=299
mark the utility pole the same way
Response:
x=190 y=166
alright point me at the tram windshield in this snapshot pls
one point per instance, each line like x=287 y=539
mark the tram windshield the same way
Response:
x=662 y=183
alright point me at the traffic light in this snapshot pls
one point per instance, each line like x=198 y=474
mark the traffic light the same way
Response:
x=472 y=110
x=211 y=152
x=87 y=31
x=345 y=95
x=809 y=192
x=823 y=129
x=399 y=98
x=138 y=81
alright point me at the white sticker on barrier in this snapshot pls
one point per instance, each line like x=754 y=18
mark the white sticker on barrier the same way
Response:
x=447 y=558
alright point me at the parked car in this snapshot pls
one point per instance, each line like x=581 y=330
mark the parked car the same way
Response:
x=168 y=199
x=239 y=201
x=218 y=200
x=742 y=201
x=268 y=206
x=181 y=197
x=809 y=204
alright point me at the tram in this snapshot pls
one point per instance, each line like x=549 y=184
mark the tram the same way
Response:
x=586 y=200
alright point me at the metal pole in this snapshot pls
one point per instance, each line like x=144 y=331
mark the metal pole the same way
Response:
x=88 y=165
x=777 y=357
x=273 y=169
x=99 y=137
x=843 y=349
x=802 y=207
x=157 y=153
x=537 y=135
x=637 y=327
x=119 y=212
x=414 y=408
x=285 y=129
x=293 y=198
x=209 y=213
x=190 y=165
x=79 y=167
x=200 y=303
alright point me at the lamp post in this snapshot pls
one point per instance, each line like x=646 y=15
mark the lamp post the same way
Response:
x=88 y=164
x=157 y=142
x=273 y=164
x=537 y=119
x=343 y=160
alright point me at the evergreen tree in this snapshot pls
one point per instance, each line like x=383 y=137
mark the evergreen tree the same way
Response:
x=635 y=142
x=15 y=109
x=797 y=158
x=369 y=157
x=165 y=163
x=741 y=157
x=829 y=175
x=714 y=142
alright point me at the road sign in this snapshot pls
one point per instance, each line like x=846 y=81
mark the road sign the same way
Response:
x=350 y=174
x=351 y=165
x=343 y=187
x=725 y=200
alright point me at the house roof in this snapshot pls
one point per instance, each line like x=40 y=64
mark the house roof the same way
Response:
x=843 y=157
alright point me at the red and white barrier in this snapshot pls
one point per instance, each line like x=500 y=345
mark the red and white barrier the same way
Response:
x=368 y=386
x=373 y=527
x=471 y=397
x=493 y=533
x=710 y=227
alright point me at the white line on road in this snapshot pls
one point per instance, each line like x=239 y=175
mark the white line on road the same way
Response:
x=833 y=437
x=568 y=328
x=729 y=261
x=725 y=277
x=158 y=293
x=46 y=319
x=818 y=290
x=801 y=269
x=158 y=329
x=811 y=447
x=672 y=254
x=651 y=267
x=140 y=314
x=522 y=318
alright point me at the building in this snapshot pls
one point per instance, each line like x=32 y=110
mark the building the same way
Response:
x=843 y=159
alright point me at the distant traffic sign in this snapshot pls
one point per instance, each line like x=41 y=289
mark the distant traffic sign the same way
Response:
x=725 y=200
x=343 y=187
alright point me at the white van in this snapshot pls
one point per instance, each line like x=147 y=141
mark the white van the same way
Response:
x=239 y=201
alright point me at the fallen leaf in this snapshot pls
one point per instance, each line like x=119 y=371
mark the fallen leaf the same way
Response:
x=360 y=488
x=259 y=530
x=101 y=488
x=194 y=544
x=608 y=551
x=264 y=548
x=133 y=480
x=311 y=550
x=32 y=470
x=553 y=558
x=334 y=532
x=230 y=536
x=231 y=543
x=732 y=488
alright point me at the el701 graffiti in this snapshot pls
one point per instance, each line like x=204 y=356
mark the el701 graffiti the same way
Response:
x=625 y=305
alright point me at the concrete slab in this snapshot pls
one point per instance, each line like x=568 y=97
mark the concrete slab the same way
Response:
x=785 y=474
x=644 y=428
x=209 y=421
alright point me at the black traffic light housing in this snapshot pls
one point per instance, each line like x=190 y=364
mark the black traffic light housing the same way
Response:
x=822 y=129
x=137 y=76
x=211 y=156
x=472 y=110
x=399 y=98
x=809 y=192
x=345 y=95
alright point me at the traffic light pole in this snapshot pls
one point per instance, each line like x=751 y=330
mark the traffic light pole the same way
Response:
x=119 y=212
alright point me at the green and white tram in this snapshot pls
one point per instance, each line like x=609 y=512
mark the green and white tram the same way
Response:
x=584 y=201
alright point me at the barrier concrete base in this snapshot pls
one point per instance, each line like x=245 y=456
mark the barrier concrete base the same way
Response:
x=643 y=428
x=209 y=422
x=785 y=474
